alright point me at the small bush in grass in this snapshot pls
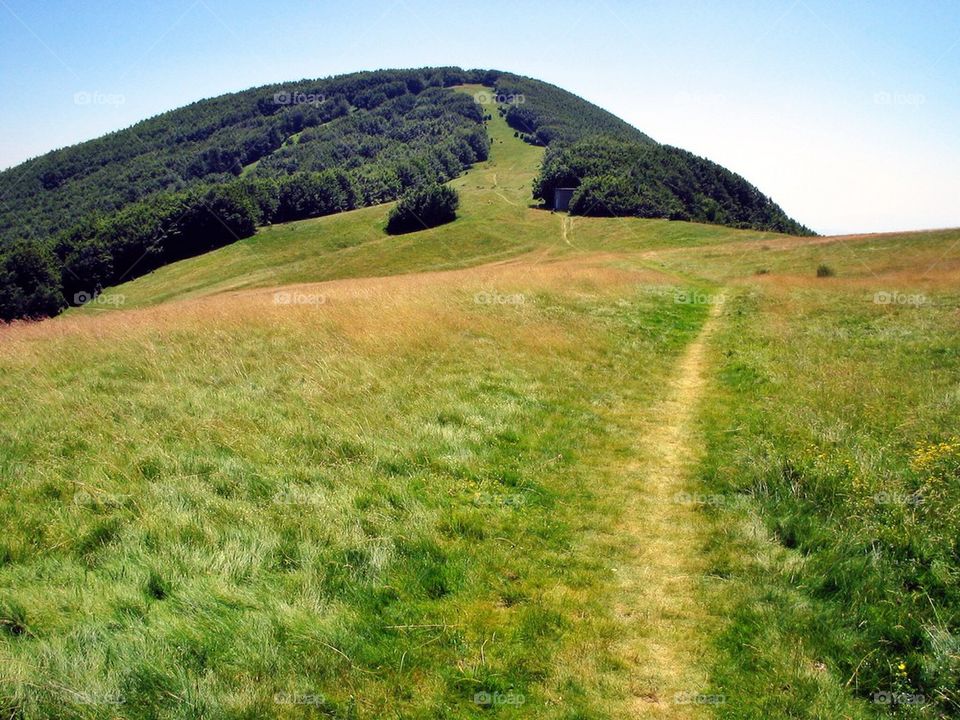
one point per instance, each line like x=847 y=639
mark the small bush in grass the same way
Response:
x=825 y=271
x=423 y=208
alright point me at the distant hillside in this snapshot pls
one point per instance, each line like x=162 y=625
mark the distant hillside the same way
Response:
x=96 y=214
x=641 y=179
x=211 y=141
x=620 y=171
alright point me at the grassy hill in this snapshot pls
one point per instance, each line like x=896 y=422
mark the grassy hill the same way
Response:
x=189 y=181
x=497 y=220
x=520 y=465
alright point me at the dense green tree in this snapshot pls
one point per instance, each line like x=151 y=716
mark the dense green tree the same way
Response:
x=29 y=283
x=423 y=208
x=87 y=269
x=312 y=194
x=211 y=141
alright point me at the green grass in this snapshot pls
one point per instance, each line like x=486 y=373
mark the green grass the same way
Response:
x=838 y=527
x=250 y=510
x=868 y=257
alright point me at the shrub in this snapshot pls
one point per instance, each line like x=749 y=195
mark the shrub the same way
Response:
x=29 y=283
x=825 y=271
x=423 y=208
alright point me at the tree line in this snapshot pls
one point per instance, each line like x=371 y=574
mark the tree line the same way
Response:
x=621 y=178
x=407 y=134
x=206 y=142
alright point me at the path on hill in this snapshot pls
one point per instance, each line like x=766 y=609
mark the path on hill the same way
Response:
x=666 y=622
x=566 y=227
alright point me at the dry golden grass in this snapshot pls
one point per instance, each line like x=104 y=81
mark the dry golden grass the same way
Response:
x=390 y=305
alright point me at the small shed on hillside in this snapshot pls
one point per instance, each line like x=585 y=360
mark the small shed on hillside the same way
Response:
x=561 y=198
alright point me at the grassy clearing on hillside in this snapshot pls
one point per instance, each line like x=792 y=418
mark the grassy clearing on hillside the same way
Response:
x=360 y=499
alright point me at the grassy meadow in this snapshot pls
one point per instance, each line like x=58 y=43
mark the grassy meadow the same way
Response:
x=382 y=503
x=833 y=478
x=520 y=465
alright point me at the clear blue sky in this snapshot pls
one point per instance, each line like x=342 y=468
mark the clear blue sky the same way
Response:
x=846 y=113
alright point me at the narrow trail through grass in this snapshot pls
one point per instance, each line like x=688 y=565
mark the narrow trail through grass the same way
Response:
x=660 y=603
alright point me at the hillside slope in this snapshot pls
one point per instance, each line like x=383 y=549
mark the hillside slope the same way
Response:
x=83 y=218
x=212 y=141
x=496 y=223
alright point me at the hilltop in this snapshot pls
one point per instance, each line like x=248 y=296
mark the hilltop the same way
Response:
x=91 y=216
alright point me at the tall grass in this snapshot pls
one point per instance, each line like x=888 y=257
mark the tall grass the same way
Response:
x=833 y=444
x=378 y=502
x=225 y=494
